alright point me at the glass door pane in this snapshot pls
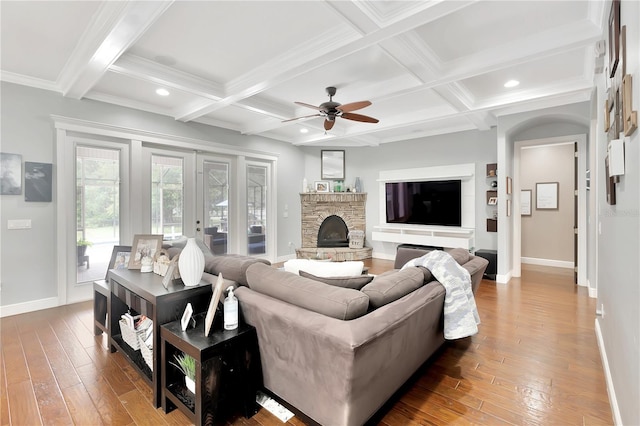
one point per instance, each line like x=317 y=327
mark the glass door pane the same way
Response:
x=216 y=205
x=257 y=182
x=167 y=196
x=97 y=210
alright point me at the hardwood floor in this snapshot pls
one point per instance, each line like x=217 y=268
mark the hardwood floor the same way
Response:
x=534 y=361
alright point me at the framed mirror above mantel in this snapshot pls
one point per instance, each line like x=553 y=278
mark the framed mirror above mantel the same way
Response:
x=332 y=164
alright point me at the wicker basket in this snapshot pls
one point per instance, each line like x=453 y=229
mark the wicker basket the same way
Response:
x=147 y=352
x=130 y=335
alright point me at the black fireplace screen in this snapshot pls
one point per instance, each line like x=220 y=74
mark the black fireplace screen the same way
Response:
x=333 y=232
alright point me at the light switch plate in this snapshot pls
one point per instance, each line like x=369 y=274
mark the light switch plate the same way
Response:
x=19 y=224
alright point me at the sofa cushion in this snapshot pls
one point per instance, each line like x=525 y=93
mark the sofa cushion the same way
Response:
x=460 y=255
x=355 y=283
x=325 y=269
x=332 y=301
x=232 y=266
x=392 y=285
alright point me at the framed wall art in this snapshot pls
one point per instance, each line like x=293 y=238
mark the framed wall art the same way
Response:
x=38 y=181
x=11 y=174
x=547 y=196
x=614 y=37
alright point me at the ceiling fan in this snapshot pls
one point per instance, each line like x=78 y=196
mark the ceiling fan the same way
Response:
x=330 y=110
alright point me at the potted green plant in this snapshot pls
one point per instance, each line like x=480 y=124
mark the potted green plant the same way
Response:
x=187 y=365
x=82 y=249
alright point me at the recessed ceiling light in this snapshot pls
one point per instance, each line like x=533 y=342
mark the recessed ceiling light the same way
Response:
x=303 y=130
x=511 y=83
x=162 y=92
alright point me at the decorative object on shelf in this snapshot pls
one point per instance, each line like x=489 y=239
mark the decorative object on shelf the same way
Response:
x=144 y=246
x=547 y=196
x=358 y=185
x=493 y=201
x=163 y=262
x=213 y=304
x=305 y=185
x=187 y=365
x=492 y=170
x=146 y=264
x=191 y=263
x=332 y=164
x=321 y=186
x=525 y=202
x=494 y=183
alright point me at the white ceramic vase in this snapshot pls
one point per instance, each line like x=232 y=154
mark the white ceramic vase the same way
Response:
x=190 y=384
x=191 y=263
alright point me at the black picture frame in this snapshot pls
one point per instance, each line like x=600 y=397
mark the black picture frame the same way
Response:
x=614 y=37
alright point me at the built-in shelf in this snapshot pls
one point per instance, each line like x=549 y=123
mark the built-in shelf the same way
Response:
x=424 y=236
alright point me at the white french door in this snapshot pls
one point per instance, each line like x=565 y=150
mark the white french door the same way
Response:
x=216 y=203
x=168 y=192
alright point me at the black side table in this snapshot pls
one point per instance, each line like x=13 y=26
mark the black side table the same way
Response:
x=228 y=370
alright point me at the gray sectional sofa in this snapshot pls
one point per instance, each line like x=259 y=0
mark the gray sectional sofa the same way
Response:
x=338 y=353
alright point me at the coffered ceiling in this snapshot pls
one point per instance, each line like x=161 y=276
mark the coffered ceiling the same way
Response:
x=428 y=67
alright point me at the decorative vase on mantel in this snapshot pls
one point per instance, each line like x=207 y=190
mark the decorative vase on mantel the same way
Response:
x=191 y=263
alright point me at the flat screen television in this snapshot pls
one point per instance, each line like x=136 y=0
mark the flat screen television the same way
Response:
x=437 y=202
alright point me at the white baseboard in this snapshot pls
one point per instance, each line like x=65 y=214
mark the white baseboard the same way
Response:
x=547 y=262
x=593 y=292
x=503 y=278
x=613 y=401
x=383 y=255
x=34 y=305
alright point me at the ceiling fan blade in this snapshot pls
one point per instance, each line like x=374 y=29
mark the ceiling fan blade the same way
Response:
x=308 y=106
x=359 y=117
x=353 y=106
x=306 y=116
x=328 y=124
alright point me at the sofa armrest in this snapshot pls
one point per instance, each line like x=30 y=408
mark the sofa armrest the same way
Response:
x=476 y=267
x=341 y=372
x=232 y=266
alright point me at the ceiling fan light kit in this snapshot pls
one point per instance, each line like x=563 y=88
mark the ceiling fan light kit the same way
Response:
x=331 y=110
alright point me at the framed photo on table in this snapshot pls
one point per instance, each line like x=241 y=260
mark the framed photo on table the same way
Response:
x=119 y=258
x=144 y=246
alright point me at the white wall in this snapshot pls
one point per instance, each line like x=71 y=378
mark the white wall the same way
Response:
x=618 y=251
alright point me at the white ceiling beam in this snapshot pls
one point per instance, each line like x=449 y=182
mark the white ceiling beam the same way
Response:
x=144 y=69
x=114 y=28
x=321 y=51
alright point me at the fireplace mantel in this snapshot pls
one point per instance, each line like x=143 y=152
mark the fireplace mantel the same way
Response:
x=333 y=197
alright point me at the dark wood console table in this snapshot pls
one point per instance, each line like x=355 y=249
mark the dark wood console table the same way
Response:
x=143 y=293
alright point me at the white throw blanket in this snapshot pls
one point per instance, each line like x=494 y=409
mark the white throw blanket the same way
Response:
x=461 y=317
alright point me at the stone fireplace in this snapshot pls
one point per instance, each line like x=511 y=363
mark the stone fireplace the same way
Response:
x=327 y=219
